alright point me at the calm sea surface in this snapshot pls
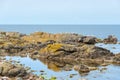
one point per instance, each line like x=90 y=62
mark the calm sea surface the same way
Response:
x=102 y=31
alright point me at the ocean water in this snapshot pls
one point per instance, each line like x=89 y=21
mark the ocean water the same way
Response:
x=101 y=31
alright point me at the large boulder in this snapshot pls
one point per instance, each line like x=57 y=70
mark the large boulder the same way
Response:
x=71 y=52
x=87 y=39
x=11 y=70
x=110 y=40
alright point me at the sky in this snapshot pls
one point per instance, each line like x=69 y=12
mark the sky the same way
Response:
x=60 y=12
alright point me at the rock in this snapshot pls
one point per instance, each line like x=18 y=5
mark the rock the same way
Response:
x=42 y=71
x=5 y=78
x=17 y=72
x=68 y=49
x=35 y=53
x=92 y=52
x=93 y=68
x=82 y=68
x=2 y=35
x=103 y=69
x=1 y=69
x=116 y=58
x=39 y=42
x=104 y=64
x=13 y=34
x=110 y=40
x=83 y=79
x=50 y=42
x=87 y=39
x=72 y=75
x=10 y=70
x=19 y=78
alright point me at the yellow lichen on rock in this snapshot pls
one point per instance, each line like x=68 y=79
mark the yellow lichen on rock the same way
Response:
x=34 y=39
x=51 y=48
x=87 y=48
x=39 y=37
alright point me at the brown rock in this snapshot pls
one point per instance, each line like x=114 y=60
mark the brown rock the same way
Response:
x=110 y=40
x=82 y=68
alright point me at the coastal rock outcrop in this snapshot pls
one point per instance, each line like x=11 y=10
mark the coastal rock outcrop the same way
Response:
x=57 y=49
x=110 y=40
x=11 y=70
x=54 y=46
x=70 y=53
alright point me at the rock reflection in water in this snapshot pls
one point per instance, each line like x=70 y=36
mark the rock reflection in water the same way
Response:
x=51 y=65
x=52 y=68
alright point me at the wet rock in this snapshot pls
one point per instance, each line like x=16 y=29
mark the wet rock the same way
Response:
x=42 y=71
x=105 y=64
x=116 y=59
x=83 y=79
x=110 y=40
x=93 y=68
x=82 y=68
x=10 y=70
x=103 y=69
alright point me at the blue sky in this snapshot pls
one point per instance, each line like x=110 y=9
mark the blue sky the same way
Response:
x=59 y=11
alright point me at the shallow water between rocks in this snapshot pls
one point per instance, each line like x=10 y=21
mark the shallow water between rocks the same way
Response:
x=112 y=72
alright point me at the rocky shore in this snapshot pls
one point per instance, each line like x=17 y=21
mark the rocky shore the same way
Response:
x=65 y=48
